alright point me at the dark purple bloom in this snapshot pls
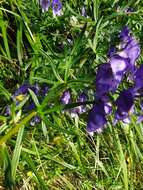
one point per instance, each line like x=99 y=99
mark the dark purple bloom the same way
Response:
x=119 y=66
x=125 y=34
x=23 y=89
x=29 y=106
x=45 y=5
x=105 y=81
x=124 y=103
x=96 y=118
x=35 y=88
x=66 y=97
x=130 y=47
x=57 y=7
x=35 y=120
x=138 y=78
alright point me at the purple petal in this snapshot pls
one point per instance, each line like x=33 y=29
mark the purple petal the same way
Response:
x=138 y=77
x=45 y=5
x=130 y=47
x=35 y=120
x=66 y=97
x=119 y=66
x=57 y=7
x=105 y=81
x=96 y=118
x=140 y=119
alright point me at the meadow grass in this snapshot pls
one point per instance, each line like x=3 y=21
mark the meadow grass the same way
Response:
x=64 y=52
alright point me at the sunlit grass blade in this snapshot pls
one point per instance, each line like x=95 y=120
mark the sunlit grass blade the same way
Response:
x=17 y=152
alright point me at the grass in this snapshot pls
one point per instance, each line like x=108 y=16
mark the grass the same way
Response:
x=63 y=52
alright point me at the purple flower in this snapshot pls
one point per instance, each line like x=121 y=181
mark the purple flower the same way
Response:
x=119 y=67
x=35 y=88
x=66 y=97
x=138 y=78
x=35 y=120
x=125 y=34
x=57 y=7
x=130 y=47
x=124 y=103
x=29 y=106
x=45 y=5
x=108 y=108
x=23 y=89
x=96 y=118
x=105 y=81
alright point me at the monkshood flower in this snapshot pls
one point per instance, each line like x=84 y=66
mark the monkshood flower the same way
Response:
x=119 y=67
x=56 y=7
x=105 y=81
x=66 y=97
x=125 y=103
x=138 y=78
x=96 y=118
x=130 y=47
x=108 y=108
x=45 y=4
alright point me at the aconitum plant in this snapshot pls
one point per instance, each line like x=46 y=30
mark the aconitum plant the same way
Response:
x=121 y=65
x=56 y=6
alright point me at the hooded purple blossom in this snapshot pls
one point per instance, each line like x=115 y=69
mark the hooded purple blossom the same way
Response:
x=96 y=118
x=130 y=47
x=138 y=78
x=119 y=67
x=66 y=97
x=105 y=81
x=124 y=103
x=108 y=108
x=45 y=4
x=57 y=7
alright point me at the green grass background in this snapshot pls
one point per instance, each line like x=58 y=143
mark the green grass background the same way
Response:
x=64 y=52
